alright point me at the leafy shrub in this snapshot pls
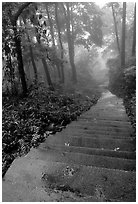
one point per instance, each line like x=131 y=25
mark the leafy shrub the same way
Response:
x=123 y=84
x=116 y=79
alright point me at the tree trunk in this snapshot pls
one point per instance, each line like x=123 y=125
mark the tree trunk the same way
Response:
x=17 y=40
x=116 y=31
x=19 y=58
x=123 y=36
x=53 y=39
x=49 y=81
x=60 y=41
x=134 y=34
x=58 y=69
x=32 y=59
x=47 y=74
x=31 y=54
x=70 y=44
x=12 y=78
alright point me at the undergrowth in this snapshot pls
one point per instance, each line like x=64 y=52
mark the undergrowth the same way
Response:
x=123 y=84
x=28 y=121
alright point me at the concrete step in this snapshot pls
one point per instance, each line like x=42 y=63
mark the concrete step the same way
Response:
x=101 y=125
x=101 y=128
x=92 y=151
x=103 y=108
x=29 y=180
x=105 y=122
x=104 y=126
x=112 y=144
x=87 y=184
x=104 y=133
x=105 y=117
x=94 y=134
x=107 y=112
x=83 y=159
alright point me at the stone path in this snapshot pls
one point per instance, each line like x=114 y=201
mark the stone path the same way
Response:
x=93 y=159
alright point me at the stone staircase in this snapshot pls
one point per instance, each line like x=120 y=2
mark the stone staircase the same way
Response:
x=93 y=158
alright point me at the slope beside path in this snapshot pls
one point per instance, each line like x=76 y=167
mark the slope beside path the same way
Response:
x=93 y=159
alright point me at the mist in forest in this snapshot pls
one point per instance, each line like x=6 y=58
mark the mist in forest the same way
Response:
x=63 y=43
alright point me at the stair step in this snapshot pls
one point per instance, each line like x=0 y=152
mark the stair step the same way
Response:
x=111 y=144
x=98 y=131
x=96 y=125
x=84 y=134
x=114 y=115
x=105 y=118
x=91 y=181
x=88 y=160
x=100 y=125
x=91 y=151
x=33 y=175
x=102 y=129
x=105 y=121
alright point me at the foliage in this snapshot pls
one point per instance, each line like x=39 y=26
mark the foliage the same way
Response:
x=87 y=22
x=28 y=121
x=130 y=105
x=8 y=48
x=11 y=40
x=124 y=85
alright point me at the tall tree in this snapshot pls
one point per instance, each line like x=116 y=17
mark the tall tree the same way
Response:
x=60 y=41
x=32 y=59
x=49 y=81
x=123 y=36
x=116 y=30
x=83 y=27
x=134 y=34
x=70 y=40
x=31 y=52
x=13 y=19
x=52 y=35
x=40 y=34
x=10 y=68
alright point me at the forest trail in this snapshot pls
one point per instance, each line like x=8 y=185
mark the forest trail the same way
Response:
x=93 y=159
